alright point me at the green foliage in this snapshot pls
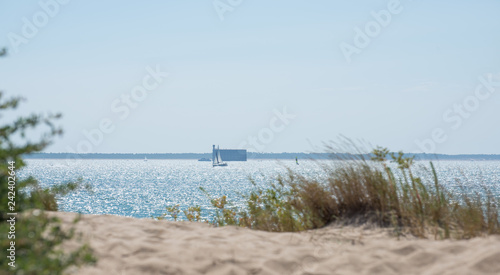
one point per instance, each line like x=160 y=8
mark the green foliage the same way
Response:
x=193 y=213
x=223 y=215
x=28 y=193
x=173 y=211
x=38 y=245
x=37 y=237
x=273 y=209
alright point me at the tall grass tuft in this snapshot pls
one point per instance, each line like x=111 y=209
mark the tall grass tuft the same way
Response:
x=364 y=187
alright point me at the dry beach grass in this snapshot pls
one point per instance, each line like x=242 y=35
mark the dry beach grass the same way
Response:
x=363 y=187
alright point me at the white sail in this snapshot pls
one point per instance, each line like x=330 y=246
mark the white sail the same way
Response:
x=219 y=159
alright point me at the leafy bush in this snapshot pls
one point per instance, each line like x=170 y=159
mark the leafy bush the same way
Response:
x=38 y=245
x=38 y=238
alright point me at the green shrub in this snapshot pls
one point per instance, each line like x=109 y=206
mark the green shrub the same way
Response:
x=38 y=246
x=38 y=238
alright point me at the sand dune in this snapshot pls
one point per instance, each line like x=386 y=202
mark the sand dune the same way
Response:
x=144 y=246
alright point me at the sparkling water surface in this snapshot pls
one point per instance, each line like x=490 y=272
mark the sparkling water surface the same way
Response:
x=139 y=188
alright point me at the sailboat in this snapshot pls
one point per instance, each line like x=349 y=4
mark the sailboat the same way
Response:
x=217 y=160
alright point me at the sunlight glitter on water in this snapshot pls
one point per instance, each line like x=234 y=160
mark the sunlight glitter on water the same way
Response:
x=143 y=189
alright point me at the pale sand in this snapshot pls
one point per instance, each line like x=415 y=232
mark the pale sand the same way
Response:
x=145 y=246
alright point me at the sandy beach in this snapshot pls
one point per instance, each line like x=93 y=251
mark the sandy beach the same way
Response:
x=145 y=246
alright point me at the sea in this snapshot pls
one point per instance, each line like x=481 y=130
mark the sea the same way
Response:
x=143 y=189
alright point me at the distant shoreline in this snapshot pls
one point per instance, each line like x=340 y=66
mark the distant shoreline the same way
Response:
x=475 y=157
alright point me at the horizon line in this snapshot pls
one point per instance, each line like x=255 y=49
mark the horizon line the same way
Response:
x=309 y=153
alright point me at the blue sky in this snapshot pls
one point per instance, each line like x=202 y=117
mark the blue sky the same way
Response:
x=412 y=86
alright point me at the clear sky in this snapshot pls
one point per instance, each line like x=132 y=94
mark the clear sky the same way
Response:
x=272 y=76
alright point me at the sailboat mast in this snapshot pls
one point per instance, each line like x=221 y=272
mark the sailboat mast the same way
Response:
x=213 y=154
